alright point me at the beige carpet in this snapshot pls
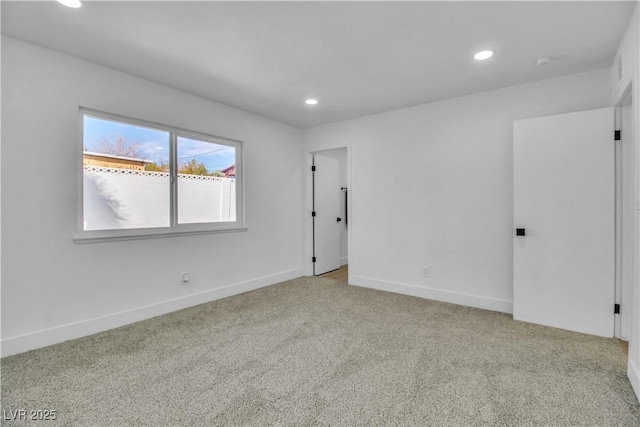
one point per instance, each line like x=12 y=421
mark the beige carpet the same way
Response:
x=314 y=351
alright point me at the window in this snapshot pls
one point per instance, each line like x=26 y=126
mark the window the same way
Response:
x=141 y=179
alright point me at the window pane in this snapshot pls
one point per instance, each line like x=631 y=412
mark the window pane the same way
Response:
x=126 y=176
x=206 y=182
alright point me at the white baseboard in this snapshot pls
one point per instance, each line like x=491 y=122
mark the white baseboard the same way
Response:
x=634 y=376
x=58 y=334
x=485 y=303
x=344 y=260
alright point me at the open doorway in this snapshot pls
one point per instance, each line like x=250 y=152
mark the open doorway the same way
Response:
x=330 y=213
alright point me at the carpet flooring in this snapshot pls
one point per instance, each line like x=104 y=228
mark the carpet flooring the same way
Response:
x=314 y=351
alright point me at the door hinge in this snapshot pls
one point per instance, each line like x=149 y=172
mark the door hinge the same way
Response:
x=313 y=259
x=616 y=135
x=313 y=213
x=313 y=168
x=616 y=309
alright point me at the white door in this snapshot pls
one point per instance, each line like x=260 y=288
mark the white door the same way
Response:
x=326 y=226
x=564 y=272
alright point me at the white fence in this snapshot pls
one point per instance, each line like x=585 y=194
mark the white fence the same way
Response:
x=117 y=198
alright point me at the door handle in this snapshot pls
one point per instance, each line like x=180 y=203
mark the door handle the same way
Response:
x=520 y=232
x=338 y=219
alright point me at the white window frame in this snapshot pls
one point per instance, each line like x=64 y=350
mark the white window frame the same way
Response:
x=174 y=229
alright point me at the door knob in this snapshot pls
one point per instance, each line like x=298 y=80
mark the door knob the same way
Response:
x=338 y=219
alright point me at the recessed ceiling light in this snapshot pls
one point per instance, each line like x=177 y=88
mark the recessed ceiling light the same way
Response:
x=71 y=3
x=481 y=56
x=311 y=101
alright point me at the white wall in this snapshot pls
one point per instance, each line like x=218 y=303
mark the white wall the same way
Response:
x=628 y=76
x=54 y=289
x=340 y=154
x=432 y=185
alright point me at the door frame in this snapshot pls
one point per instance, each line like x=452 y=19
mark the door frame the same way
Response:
x=308 y=207
x=623 y=297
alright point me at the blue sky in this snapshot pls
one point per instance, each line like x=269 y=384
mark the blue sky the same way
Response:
x=154 y=144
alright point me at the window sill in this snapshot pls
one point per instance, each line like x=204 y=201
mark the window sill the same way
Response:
x=100 y=236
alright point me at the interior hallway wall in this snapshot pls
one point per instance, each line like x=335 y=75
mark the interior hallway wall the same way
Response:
x=340 y=154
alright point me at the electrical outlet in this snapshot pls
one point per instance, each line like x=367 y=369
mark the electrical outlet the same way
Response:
x=185 y=278
x=425 y=271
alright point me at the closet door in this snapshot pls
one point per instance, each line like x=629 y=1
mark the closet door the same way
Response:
x=563 y=250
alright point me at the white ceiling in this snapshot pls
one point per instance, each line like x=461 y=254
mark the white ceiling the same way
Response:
x=356 y=58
